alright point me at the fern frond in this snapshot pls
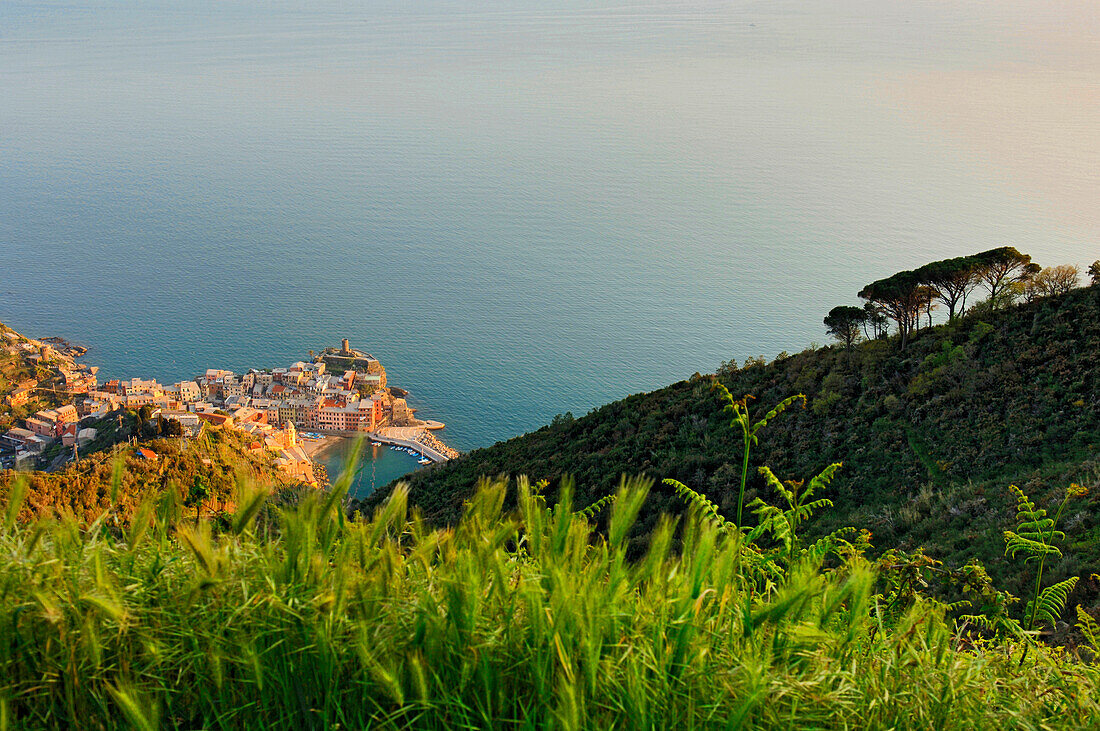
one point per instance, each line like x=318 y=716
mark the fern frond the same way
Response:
x=979 y=620
x=767 y=514
x=1045 y=533
x=996 y=624
x=823 y=546
x=1034 y=550
x=777 y=410
x=765 y=511
x=1089 y=628
x=774 y=482
x=823 y=479
x=1051 y=603
x=773 y=520
x=1032 y=522
x=722 y=391
x=593 y=510
x=735 y=406
x=1023 y=502
x=807 y=511
x=700 y=502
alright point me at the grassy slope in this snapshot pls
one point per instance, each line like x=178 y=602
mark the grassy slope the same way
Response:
x=13 y=366
x=219 y=456
x=14 y=370
x=524 y=621
x=929 y=438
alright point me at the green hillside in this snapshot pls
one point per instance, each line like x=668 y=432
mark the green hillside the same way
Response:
x=930 y=437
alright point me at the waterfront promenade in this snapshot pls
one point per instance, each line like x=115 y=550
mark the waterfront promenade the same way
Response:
x=406 y=436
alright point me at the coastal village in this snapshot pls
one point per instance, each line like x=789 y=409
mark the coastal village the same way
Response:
x=285 y=411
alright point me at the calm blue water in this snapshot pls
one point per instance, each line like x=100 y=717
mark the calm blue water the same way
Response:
x=373 y=466
x=522 y=208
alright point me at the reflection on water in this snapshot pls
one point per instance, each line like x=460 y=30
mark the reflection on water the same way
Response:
x=375 y=467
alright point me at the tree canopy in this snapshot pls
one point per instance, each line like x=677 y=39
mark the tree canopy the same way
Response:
x=1002 y=267
x=905 y=296
x=952 y=280
x=900 y=298
x=844 y=323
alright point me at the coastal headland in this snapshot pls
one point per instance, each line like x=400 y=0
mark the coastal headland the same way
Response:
x=292 y=412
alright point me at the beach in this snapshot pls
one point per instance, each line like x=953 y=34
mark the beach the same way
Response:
x=319 y=449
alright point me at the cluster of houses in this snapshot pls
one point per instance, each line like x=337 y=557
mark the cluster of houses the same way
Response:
x=305 y=395
x=271 y=405
x=62 y=422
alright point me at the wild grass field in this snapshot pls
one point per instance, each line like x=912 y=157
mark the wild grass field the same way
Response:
x=529 y=618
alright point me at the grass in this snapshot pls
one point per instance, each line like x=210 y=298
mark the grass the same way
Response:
x=530 y=619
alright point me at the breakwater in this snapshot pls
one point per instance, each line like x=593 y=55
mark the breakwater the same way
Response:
x=416 y=438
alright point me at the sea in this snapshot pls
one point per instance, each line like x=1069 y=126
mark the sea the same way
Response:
x=521 y=208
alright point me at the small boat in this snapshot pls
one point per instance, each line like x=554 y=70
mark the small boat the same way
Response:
x=376 y=444
x=424 y=460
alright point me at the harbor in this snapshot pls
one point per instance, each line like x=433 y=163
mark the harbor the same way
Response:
x=411 y=440
x=376 y=463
